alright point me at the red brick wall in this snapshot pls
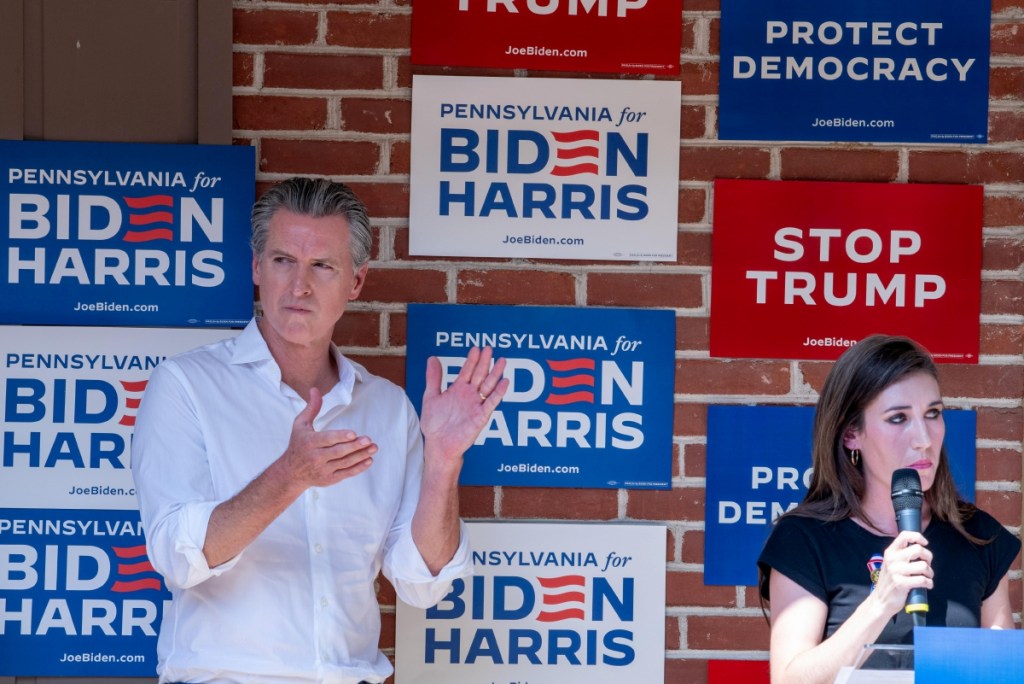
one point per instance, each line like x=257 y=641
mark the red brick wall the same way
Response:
x=324 y=89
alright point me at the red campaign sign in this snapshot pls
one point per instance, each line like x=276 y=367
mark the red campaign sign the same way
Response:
x=613 y=36
x=732 y=671
x=804 y=269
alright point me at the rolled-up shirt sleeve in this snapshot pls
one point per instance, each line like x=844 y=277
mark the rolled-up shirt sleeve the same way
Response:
x=172 y=481
x=403 y=564
x=411 y=577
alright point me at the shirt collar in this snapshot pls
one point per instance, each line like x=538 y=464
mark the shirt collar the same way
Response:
x=251 y=348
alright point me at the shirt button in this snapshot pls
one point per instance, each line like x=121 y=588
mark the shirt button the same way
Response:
x=318 y=548
x=316 y=495
x=323 y=602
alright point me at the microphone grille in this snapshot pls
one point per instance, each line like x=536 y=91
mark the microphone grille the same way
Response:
x=906 y=489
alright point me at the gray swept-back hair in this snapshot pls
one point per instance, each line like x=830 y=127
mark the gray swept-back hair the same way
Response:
x=318 y=198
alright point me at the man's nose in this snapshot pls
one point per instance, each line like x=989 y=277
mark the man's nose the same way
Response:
x=301 y=284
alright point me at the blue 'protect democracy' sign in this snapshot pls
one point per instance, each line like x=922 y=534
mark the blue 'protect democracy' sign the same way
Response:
x=855 y=70
x=591 y=394
x=759 y=466
x=125 y=234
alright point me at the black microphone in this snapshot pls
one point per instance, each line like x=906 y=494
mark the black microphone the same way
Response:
x=906 y=499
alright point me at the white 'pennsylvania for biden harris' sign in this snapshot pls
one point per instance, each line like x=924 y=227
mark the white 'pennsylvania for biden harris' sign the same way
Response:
x=544 y=168
x=69 y=396
x=547 y=604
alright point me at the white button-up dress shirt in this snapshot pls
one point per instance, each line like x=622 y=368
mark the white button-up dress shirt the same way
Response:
x=299 y=603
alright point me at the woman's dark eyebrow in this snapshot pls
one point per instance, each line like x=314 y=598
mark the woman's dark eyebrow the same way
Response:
x=937 y=402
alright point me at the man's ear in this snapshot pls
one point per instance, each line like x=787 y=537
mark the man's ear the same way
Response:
x=358 y=282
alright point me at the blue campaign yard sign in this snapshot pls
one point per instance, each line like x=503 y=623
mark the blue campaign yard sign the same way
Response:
x=80 y=597
x=590 y=402
x=758 y=466
x=125 y=234
x=855 y=70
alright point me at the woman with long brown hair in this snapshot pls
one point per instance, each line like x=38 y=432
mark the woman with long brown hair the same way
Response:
x=836 y=571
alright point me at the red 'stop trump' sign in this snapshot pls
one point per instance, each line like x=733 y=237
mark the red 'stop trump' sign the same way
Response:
x=805 y=269
x=616 y=36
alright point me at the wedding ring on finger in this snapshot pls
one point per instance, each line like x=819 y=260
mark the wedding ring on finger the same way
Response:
x=482 y=397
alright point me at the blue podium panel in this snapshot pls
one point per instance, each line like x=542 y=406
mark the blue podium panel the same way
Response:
x=968 y=656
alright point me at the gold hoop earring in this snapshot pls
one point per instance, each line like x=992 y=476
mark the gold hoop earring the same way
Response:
x=855 y=457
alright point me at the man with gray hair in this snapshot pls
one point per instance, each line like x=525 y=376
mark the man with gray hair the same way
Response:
x=276 y=478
